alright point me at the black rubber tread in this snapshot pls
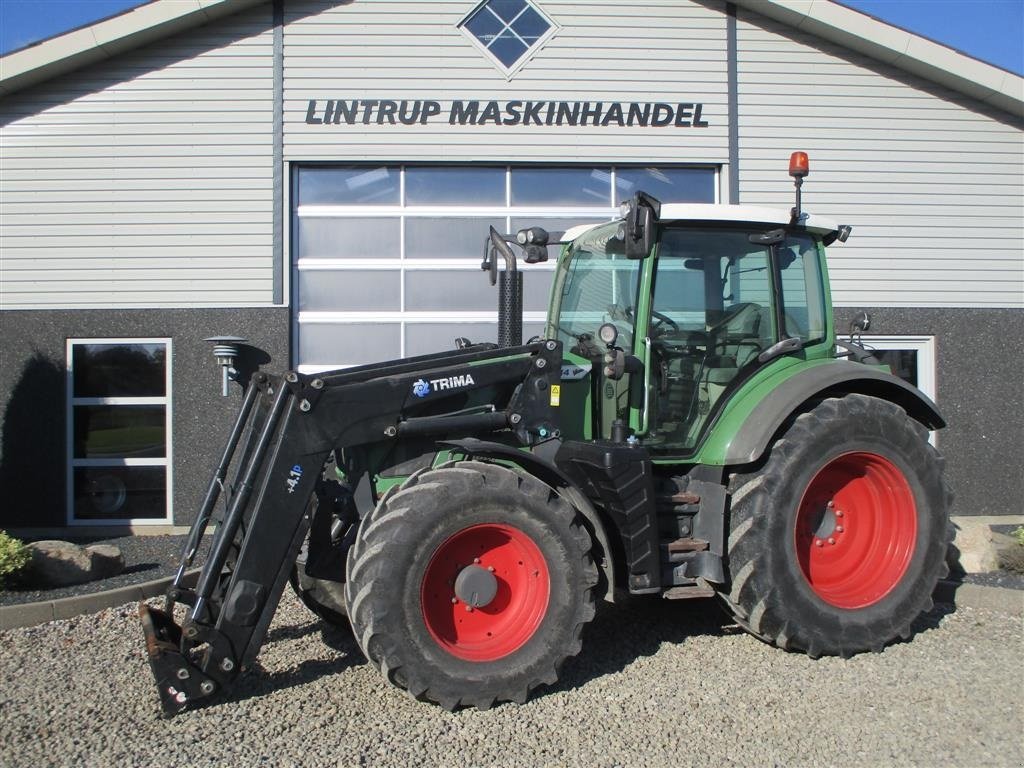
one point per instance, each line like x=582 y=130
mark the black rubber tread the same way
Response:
x=766 y=593
x=326 y=599
x=383 y=600
x=310 y=591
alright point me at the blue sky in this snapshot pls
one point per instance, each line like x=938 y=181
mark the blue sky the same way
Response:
x=991 y=30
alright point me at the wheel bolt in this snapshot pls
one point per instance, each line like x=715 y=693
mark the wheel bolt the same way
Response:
x=830 y=504
x=831 y=540
x=839 y=529
x=469 y=609
x=455 y=600
x=839 y=513
x=818 y=542
x=490 y=568
x=476 y=559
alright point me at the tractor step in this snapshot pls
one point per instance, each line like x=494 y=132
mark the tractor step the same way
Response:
x=687 y=545
x=677 y=499
x=688 y=592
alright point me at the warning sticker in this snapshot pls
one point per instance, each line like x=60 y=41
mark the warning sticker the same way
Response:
x=556 y=394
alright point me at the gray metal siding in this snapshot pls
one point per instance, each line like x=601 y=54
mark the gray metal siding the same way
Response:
x=145 y=181
x=932 y=182
x=664 y=51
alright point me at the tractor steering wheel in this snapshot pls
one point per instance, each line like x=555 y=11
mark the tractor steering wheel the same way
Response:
x=663 y=324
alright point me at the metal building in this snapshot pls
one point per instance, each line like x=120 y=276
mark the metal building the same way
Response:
x=317 y=176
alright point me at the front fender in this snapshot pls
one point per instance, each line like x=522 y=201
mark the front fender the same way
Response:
x=832 y=378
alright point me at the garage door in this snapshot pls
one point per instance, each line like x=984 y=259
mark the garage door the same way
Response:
x=387 y=257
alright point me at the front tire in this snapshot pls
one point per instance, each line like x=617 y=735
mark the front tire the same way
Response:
x=836 y=543
x=471 y=585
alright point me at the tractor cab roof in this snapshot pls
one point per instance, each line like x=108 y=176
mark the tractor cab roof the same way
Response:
x=702 y=212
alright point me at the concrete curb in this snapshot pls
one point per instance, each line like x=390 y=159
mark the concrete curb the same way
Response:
x=31 y=614
x=966 y=595
x=960 y=594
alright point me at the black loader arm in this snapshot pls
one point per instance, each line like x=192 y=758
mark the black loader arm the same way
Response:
x=286 y=431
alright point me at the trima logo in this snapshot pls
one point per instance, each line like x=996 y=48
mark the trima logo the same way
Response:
x=422 y=388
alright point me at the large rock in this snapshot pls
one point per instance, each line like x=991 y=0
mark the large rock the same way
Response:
x=975 y=546
x=107 y=560
x=63 y=564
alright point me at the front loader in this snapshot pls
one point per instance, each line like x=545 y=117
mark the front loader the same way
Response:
x=686 y=427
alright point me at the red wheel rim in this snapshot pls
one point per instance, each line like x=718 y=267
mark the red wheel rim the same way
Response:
x=856 y=529
x=508 y=621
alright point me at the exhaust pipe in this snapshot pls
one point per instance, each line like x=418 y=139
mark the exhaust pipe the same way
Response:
x=510 y=293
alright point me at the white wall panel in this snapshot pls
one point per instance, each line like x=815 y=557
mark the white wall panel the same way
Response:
x=932 y=183
x=663 y=51
x=145 y=181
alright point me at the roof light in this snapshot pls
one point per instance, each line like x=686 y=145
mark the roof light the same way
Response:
x=799 y=166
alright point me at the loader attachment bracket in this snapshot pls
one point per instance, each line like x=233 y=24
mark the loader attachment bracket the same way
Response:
x=180 y=680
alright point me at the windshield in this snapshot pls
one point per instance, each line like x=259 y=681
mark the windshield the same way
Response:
x=597 y=284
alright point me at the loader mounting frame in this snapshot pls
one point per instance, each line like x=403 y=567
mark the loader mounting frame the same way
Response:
x=287 y=428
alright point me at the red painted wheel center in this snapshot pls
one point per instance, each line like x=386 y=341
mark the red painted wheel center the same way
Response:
x=485 y=629
x=855 y=530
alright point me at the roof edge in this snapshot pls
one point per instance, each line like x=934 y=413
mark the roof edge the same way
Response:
x=108 y=38
x=889 y=44
x=824 y=18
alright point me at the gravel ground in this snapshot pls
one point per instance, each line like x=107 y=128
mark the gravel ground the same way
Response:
x=658 y=683
x=145 y=558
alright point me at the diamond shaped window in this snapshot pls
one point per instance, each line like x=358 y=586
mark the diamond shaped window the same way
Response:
x=507 y=30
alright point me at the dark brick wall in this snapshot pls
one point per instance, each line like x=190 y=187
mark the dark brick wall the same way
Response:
x=980 y=383
x=980 y=392
x=32 y=397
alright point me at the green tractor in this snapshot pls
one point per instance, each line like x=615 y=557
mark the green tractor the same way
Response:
x=687 y=427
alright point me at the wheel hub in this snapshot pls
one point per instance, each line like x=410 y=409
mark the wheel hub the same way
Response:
x=491 y=607
x=855 y=530
x=826 y=524
x=476 y=586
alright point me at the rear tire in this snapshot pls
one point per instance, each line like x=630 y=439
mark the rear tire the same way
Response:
x=447 y=528
x=836 y=543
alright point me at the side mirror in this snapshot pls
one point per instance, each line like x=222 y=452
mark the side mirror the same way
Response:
x=639 y=221
x=860 y=323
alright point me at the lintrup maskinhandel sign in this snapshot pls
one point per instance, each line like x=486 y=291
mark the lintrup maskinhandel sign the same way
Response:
x=506 y=113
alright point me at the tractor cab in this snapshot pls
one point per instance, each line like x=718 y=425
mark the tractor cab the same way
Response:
x=723 y=293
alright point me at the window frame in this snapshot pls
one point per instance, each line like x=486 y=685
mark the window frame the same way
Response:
x=531 y=50
x=72 y=463
x=924 y=346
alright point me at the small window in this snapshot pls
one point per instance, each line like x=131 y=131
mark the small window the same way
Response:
x=459 y=185
x=119 y=430
x=507 y=30
x=911 y=358
x=351 y=185
x=561 y=186
x=668 y=185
